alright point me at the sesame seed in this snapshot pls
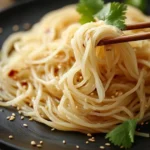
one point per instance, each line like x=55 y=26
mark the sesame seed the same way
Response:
x=91 y=140
x=22 y=117
x=8 y=118
x=12 y=118
x=26 y=26
x=64 y=142
x=39 y=145
x=18 y=108
x=20 y=112
x=81 y=77
x=107 y=144
x=13 y=114
x=1 y=30
x=15 y=28
x=89 y=134
x=147 y=123
x=33 y=143
x=77 y=146
x=30 y=119
x=41 y=142
x=87 y=142
x=102 y=147
x=121 y=147
x=92 y=94
x=59 y=66
x=11 y=137
x=25 y=125
x=52 y=129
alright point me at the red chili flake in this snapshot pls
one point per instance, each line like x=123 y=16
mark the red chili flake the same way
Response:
x=12 y=73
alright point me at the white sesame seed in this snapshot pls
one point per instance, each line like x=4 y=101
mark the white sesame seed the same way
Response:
x=22 y=117
x=77 y=146
x=121 y=147
x=12 y=118
x=41 y=142
x=107 y=144
x=13 y=114
x=11 y=137
x=102 y=147
x=33 y=143
x=8 y=117
x=87 y=142
x=64 y=142
x=25 y=125
x=26 y=26
x=52 y=129
x=39 y=145
x=30 y=119
x=20 y=112
x=18 y=108
x=92 y=94
x=89 y=134
x=15 y=28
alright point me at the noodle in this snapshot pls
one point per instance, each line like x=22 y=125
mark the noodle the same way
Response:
x=57 y=74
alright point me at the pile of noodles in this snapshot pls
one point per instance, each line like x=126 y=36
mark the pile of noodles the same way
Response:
x=57 y=74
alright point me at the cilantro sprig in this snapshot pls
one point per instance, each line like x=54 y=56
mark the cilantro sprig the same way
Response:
x=111 y=13
x=88 y=8
x=123 y=135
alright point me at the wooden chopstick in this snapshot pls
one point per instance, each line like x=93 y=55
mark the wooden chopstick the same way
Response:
x=137 y=26
x=129 y=38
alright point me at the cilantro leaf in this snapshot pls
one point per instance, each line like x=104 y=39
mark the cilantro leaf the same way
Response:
x=123 y=135
x=88 y=8
x=141 y=4
x=113 y=14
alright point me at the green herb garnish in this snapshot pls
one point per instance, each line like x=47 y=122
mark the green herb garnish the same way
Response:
x=111 y=13
x=123 y=135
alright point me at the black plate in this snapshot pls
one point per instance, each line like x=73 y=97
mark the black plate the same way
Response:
x=31 y=11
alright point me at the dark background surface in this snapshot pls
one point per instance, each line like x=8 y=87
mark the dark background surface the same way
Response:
x=30 y=12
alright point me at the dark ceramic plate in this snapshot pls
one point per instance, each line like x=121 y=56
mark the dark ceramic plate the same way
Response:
x=31 y=11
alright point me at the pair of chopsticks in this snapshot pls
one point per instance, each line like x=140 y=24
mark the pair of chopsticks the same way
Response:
x=129 y=38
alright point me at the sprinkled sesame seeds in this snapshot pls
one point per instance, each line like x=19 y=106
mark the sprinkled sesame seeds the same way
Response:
x=107 y=144
x=26 y=26
x=30 y=119
x=41 y=142
x=33 y=143
x=15 y=28
x=52 y=129
x=92 y=139
x=89 y=134
x=87 y=142
x=92 y=94
x=39 y=145
x=13 y=114
x=12 y=118
x=18 y=108
x=77 y=146
x=64 y=142
x=102 y=147
x=25 y=125
x=8 y=117
x=22 y=117
x=1 y=30
x=121 y=147
x=147 y=123
x=11 y=137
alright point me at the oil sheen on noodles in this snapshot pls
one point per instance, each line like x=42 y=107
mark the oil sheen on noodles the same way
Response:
x=57 y=74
